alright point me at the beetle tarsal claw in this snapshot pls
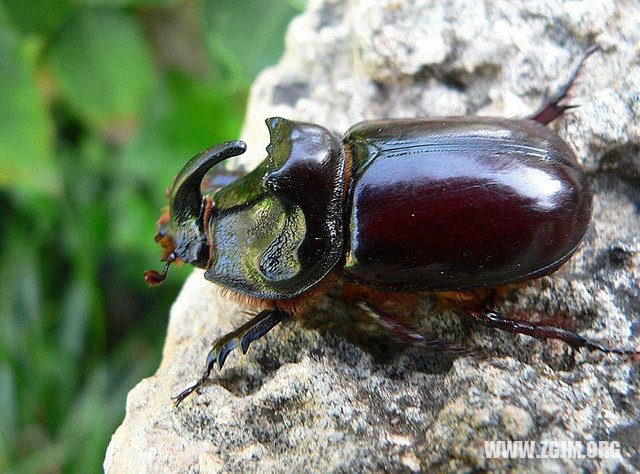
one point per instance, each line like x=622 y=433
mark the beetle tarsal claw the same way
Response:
x=242 y=337
x=558 y=104
x=223 y=348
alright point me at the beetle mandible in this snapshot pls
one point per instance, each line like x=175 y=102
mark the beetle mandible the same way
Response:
x=395 y=206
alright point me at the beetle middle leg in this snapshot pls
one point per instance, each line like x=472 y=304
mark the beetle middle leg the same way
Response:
x=557 y=105
x=541 y=331
x=407 y=335
x=251 y=331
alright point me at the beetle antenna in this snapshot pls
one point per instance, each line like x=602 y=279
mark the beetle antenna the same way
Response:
x=153 y=278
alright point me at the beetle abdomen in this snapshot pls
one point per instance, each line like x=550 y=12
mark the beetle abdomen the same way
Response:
x=461 y=203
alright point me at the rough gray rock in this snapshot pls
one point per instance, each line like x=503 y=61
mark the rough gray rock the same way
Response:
x=330 y=398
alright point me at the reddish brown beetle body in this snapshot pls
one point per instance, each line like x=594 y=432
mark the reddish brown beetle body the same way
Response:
x=461 y=203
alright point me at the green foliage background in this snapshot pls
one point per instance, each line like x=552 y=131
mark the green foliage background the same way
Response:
x=101 y=103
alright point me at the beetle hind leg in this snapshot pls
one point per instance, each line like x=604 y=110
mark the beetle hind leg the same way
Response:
x=242 y=337
x=541 y=331
x=557 y=105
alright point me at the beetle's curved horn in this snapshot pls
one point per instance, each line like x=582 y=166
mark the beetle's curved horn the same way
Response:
x=186 y=197
x=179 y=232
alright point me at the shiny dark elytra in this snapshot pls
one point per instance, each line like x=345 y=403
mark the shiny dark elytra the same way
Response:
x=461 y=203
x=456 y=204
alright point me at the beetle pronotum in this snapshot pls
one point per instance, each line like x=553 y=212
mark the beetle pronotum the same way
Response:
x=461 y=204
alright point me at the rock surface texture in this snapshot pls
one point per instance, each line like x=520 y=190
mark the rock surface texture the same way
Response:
x=330 y=399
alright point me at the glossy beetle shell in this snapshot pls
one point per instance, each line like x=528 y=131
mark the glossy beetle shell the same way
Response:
x=461 y=203
x=277 y=231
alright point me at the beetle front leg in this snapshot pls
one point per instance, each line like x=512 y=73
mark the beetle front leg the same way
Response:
x=251 y=331
x=540 y=331
x=557 y=105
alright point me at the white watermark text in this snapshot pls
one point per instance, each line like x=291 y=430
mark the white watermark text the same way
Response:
x=551 y=449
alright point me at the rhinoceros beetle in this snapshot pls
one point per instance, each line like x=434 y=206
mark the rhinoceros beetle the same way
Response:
x=455 y=204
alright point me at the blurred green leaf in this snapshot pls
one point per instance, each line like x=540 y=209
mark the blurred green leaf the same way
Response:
x=20 y=291
x=38 y=16
x=192 y=116
x=74 y=317
x=9 y=261
x=244 y=45
x=83 y=428
x=8 y=414
x=134 y=223
x=29 y=290
x=26 y=131
x=127 y=3
x=104 y=69
x=298 y=5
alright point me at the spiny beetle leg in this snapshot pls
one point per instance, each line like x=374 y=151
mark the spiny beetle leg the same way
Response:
x=186 y=392
x=251 y=331
x=407 y=335
x=494 y=319
x=557 y=105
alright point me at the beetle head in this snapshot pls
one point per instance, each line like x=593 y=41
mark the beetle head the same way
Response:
x=181 y=231
x=277 y=231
